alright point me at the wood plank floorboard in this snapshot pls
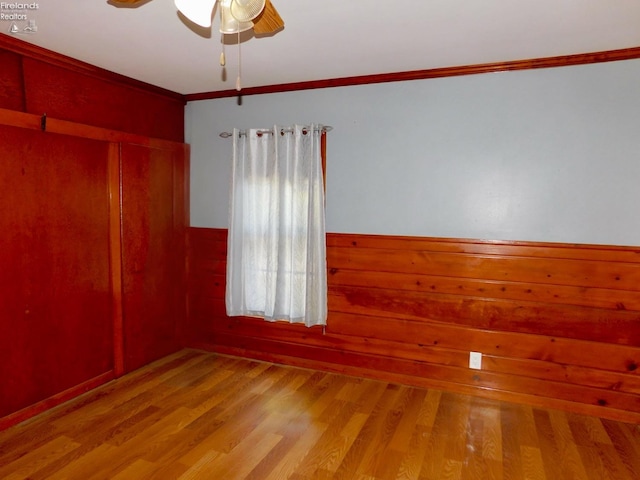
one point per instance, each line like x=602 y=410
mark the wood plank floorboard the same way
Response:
x=199 y=415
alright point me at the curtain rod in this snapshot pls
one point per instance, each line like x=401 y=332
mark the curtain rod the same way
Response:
x=325 y=128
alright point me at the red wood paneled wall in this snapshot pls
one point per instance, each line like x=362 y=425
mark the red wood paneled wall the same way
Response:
x=54 y=252
x=558 y=324
x=94 y=213
x=93 y=278
x=38 y=81
x=153 y=258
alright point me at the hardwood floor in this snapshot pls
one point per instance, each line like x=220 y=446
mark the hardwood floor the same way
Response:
x=198 y=415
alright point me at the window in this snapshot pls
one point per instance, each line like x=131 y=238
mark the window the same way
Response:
x=276 y=264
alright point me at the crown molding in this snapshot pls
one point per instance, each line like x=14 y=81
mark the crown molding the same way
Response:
x=548 y=62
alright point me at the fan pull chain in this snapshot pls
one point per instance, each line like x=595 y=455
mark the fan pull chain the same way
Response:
x=223 y=60
x=238 y=85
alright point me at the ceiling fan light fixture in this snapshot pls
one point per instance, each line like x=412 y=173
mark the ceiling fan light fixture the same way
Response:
x=228 y=23
x=197 y=11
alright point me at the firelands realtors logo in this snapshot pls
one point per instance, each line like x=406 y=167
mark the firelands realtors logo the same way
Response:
x=19 y=16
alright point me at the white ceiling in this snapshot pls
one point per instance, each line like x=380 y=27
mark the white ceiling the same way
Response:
x=325 y=39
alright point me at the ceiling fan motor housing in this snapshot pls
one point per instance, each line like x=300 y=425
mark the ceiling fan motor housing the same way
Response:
x=246 y=10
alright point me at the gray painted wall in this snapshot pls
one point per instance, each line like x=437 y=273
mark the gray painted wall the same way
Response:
x=540 y=155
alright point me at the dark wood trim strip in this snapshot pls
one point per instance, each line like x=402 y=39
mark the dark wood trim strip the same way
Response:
x=55 y=400
x=65 y=127
x=182 y=217
x=53 y=58
x=548 y=62
x=115 y=246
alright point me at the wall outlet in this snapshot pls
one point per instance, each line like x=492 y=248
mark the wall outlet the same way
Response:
x=475 y=360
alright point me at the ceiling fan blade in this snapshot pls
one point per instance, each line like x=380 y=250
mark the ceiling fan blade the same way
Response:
x=130 y=2
x=269 y=21
x=197 y=12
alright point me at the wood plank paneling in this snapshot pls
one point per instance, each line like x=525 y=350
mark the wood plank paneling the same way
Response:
x=557 y=323
x=621 y=327
x=581 y=272
x=11 y=91
x=153 y=238
x=55 y=295
x=15 y=44
x=63 y=325
x=39 y=81
x=68 y=95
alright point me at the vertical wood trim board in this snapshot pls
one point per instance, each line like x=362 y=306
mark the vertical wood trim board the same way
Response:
x=558 y=324
x=181 y=214
x=115 y=246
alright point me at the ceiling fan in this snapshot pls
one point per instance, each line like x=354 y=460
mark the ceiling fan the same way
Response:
x=235 y=15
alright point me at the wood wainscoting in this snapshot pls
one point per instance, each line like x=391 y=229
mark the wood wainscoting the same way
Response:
x=558 y=324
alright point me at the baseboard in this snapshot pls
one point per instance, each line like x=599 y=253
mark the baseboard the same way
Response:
x=422 y=382
x=55 y=400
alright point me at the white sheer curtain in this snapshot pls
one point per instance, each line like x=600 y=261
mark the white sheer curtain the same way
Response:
x=276 y=253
